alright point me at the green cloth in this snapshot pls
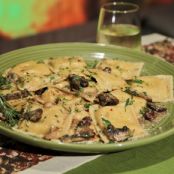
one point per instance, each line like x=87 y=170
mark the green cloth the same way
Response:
x=155 y=158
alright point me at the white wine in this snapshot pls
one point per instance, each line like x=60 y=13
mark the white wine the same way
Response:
x=120 y=34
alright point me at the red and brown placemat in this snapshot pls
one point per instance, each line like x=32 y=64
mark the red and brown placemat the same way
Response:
x=164 y=49
x=15 y=156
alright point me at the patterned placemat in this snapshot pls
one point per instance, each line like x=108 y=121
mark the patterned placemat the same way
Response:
x=164 y=49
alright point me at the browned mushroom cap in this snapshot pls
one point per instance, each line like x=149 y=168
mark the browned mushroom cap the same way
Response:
x=82 y=135
x=156 y=107
x=41 y=91
x=107 y=69
x=34 y=115
x=86 y=121
x=77 y=82
x=117 y=134
x=106 y=99
x=152 y=111
x=149 y=114
x=17 y=95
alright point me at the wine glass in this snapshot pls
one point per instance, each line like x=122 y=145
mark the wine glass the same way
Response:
x=119 y=24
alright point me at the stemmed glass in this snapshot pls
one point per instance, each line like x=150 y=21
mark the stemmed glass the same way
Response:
x=119 y=24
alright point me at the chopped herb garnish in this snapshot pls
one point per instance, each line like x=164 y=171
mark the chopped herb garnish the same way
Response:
x=4 y=83
x=143 y=110
x=128 y=102
x=119 y=68
x=11 y=115
x=106 y=122
x=40 y=61
x=87 y=105
x=145 y=93
x=139 y=81
x=129 y=82
x=92 y=64
x=77 y=110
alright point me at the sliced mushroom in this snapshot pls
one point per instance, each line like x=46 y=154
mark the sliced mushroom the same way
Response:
x=34 y=115
x=86 y=121
x=86 y=134
x=149 y=114
x=80 y=136
x=152 y=111
x=41 y=91
x=117 y=134
x=106 y=99
x=77 y=82
x=155 y=107
x=107 y=69
x=18 y=95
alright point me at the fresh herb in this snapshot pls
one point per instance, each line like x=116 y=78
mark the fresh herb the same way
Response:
x=11 y=115
x=135 y=93
x=80 y=91
x=130 y=91
x=40 y=61
x=69 y=109
x=143 y=110
x=106 y=122
x=77 y=110
x=145 y=93
x=83 y=70
x=139 y=81
x=128 y=102
x=87 y=105
x=92 y=64
x=4 y=83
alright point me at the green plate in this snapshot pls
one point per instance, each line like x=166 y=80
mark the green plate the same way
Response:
x=91 y=52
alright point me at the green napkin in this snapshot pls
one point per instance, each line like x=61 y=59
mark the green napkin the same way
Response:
x=155 y=158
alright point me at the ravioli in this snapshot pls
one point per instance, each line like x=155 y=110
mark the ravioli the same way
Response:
x=107 y=81
x=52 y=118
x=82 y=127
x=122 y=96
x=119 y=117
x=67 y=65
x=31 y=67
x=159 y=88
x=124 y=69
x=137 y=102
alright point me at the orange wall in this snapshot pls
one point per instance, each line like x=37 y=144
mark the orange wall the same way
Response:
x=19 y=18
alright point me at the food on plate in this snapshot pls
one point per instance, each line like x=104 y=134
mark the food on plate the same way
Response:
x=66 y=100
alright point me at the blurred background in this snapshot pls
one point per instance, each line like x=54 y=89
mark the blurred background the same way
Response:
x=23 y=18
